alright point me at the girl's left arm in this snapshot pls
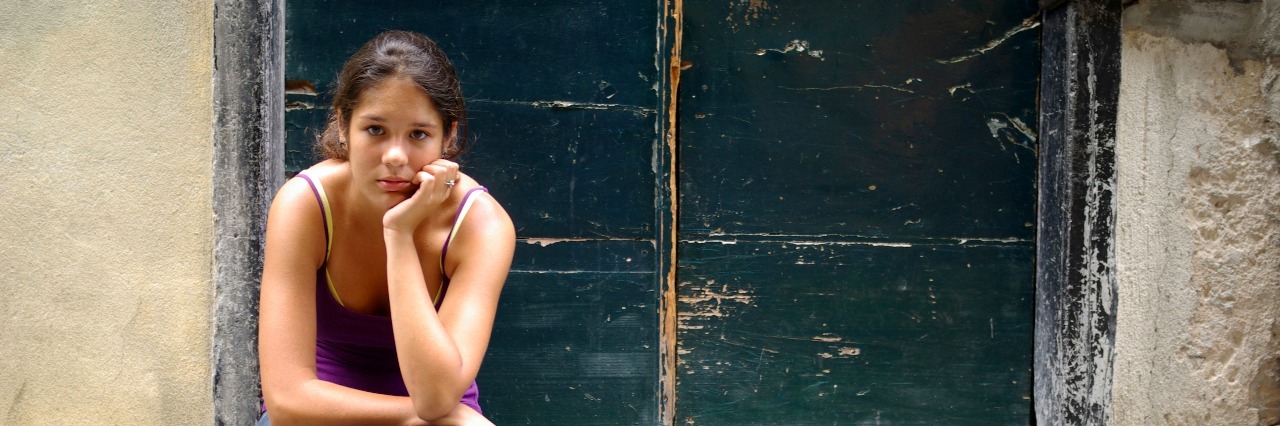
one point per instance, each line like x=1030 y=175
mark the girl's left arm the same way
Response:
x=440 y=352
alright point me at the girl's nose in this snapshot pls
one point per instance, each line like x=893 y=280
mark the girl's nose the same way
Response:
x=395 y=155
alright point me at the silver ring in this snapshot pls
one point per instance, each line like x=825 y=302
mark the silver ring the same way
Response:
x=449 y=183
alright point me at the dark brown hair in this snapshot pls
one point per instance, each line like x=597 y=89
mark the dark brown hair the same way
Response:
x=397 y=54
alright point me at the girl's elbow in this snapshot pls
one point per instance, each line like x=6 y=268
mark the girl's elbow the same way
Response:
x=435 y=401
x=287 y=405
x=431 y=408
x=280 y=412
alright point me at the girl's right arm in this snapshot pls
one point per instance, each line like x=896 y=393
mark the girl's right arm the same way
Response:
x=295 y=249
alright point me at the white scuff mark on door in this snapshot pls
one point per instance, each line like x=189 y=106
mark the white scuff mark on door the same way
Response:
x=798 y=46
x=827 y=337
x=967 y=86
x=854 y=87
x=707 y=301
x=1013 y=125
x=1021 y=127
x=1027 y=24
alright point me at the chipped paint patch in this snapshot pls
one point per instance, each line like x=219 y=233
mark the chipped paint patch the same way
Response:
x=299 y=105
x=1027 y=24
x=706 y=301
x=847 y=243
x=827 y=337
x=543 y=242
x=967 y=86
x=798 y=46
x=852 y=87
x=572 y=105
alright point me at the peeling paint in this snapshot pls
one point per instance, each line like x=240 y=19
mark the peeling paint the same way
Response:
x=827 y=337
x=855 y=87
x=1027 y=24
x=299 y=87
x=706 y=301
x=572 y=105
x=544 y=242
x=798 y=46
x=967 y=86
x=995 y=125
x=848 y=243
x=299 y=105
x=670 y=353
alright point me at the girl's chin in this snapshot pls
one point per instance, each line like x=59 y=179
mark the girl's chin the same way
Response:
x=387 y=200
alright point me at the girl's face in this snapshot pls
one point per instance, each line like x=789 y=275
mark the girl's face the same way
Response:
x=395 y=129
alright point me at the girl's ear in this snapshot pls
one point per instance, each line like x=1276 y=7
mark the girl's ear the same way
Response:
x=342 y=127
x=450 y=147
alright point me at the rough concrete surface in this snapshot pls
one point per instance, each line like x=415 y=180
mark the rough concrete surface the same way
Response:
x=1199 y=215
x=105 y=164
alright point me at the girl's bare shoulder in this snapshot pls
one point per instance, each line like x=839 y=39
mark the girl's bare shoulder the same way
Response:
x=330 y=172
x=486 y=215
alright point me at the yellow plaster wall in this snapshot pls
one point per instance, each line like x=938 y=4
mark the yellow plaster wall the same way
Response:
x=105 y=218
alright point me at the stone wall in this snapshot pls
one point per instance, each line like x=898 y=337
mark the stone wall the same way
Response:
x=1199 y=213
x=106 y=223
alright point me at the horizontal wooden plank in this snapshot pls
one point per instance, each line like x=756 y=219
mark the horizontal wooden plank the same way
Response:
x=573 y=348
x=560 y=173
x=569 y=256
x=846 y=333
x=571 y=50
x=567 y=173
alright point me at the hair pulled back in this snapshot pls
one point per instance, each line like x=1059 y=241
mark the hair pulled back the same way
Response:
x=397 y=54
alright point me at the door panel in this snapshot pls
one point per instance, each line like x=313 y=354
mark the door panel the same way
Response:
x=798 y=333
x=856 y=197
x=562 y=98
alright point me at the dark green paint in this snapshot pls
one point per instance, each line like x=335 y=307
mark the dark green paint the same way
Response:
x=806 y=295
x=569 y=343
x=780 y=333
x=563 y=99
x=856 y=218
x=788 y=143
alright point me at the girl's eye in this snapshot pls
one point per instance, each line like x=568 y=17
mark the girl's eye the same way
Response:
x=375 y=130
x=418 y=134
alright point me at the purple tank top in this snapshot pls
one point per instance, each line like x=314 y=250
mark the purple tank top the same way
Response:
x=358 y=350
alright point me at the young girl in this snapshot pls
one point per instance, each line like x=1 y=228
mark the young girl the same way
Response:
x=383 y=263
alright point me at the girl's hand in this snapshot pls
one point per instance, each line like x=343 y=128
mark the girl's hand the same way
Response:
x=435 y=183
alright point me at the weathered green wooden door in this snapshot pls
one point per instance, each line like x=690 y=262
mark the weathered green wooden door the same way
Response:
x=856 y=212
x=855 y=192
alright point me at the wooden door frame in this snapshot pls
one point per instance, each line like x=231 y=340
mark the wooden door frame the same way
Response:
x=1075 y=217
x=1075 y=255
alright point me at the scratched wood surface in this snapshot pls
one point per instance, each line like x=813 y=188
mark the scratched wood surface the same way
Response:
x=562 y=98
x=857 y=198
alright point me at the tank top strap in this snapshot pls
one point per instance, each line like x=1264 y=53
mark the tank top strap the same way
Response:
x=326 y=214
x=457 y=223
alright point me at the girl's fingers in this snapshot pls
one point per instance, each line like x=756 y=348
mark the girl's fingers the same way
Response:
x=449 y=169
x=423 y=179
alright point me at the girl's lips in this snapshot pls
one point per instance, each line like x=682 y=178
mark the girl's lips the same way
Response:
x=393 y=185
